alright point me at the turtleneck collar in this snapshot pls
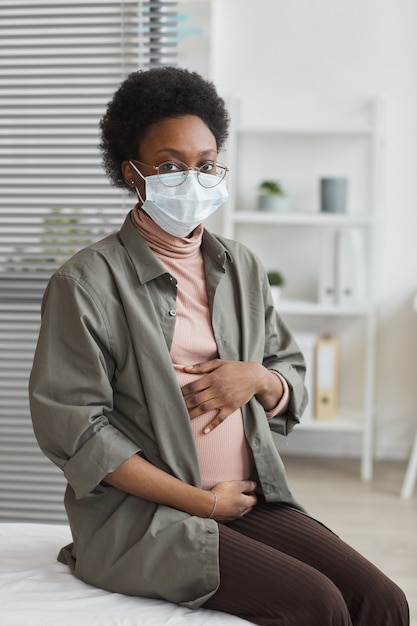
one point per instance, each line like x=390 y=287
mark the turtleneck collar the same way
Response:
x=161 y=242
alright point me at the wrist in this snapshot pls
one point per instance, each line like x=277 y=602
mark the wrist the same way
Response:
x=214 y=504
x=201 y=503
x=261 y=380
x=271 y=389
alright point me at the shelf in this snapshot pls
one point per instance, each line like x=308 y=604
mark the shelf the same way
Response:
x=306 y=307
x=321 y=253
x=301 y=219
x=346 y=421
x=353 y=131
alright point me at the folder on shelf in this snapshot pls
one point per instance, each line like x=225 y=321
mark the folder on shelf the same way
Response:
x=350 y=267
x=327 y=267
x=307 y=343
x=327 y=372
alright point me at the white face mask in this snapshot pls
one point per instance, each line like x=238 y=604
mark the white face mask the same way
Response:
x=179 y=210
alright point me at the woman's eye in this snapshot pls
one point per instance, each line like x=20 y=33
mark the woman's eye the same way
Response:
x=170 y=167
x=208 y=168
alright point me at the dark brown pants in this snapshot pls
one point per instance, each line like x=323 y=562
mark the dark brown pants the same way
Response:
x=279 y=567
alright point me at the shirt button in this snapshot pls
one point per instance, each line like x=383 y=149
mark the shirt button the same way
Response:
x=172 y=312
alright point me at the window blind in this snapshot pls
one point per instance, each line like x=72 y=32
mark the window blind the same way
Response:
x=60 y=62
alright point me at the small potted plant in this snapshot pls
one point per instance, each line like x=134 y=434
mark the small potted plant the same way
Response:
x=272 y=196
x=276 y=281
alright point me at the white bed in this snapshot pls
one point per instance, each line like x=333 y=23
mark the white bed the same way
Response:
x=36 y=590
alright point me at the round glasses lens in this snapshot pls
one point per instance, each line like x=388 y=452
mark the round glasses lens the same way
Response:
x=211 y=174
x=172 y=173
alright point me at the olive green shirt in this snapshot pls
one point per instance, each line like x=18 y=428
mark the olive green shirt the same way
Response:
x=103 y=388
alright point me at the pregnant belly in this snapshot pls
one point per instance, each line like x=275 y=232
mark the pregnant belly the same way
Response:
x=224 y=453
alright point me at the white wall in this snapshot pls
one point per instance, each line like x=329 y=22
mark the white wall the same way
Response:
x=305 y=52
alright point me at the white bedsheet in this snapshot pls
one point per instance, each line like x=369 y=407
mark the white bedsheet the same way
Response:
x=36 y=590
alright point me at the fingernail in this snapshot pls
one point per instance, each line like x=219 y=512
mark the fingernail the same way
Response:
x=206 y=430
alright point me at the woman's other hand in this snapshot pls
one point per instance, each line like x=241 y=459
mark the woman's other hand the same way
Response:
x=232 y=499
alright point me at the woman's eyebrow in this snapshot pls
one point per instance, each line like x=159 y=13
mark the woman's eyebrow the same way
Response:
x=179 y=152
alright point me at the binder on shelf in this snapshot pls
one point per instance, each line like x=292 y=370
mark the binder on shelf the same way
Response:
x=350 y=267
x=327 y=268
x=327 y=374
x=307 y=343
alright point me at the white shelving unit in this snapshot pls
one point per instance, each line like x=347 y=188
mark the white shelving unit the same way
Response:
x=293 y=242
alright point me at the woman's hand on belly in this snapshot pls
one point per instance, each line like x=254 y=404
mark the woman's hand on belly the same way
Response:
x=226 y=386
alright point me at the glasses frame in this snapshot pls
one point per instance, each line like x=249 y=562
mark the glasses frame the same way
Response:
x=186 y=171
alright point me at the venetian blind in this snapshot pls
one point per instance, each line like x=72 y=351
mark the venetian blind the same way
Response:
x=60 y=62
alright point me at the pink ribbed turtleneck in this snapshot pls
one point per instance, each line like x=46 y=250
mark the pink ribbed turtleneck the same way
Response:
x=224 y=453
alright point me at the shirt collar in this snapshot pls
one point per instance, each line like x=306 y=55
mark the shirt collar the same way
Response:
x=214 y=248
x=148 y=266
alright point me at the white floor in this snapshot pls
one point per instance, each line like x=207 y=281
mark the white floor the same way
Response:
x=371 y=517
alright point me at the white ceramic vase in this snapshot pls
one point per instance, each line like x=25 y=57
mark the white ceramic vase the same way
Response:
x=274 y=203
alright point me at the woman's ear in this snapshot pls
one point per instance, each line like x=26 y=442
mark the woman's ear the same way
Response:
x=133 y=180
x=129 y=174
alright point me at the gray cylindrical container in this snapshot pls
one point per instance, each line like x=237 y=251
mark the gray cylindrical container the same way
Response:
x=333 y=195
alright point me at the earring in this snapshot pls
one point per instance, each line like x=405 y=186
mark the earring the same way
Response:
x=132 y=182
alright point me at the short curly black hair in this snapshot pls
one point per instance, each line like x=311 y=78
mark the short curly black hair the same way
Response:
x=148 y=96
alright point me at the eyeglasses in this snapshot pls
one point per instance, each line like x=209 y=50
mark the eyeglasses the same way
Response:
x=174 y=173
